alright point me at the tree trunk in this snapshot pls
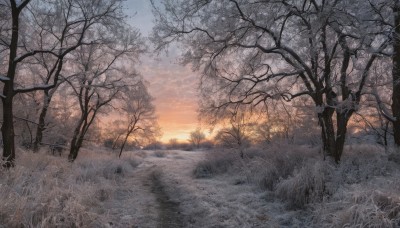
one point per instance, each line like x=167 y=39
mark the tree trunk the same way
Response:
x=385 y=140
x=76 y=145
x=123 y=144
x=327 y=132
x=73 y=153
x=333 y=144
x=7 y=130
x=396 y=75
x=132 y=128
x=76 y=141
x=79 y=135
x=41 y=123
x=342 y=120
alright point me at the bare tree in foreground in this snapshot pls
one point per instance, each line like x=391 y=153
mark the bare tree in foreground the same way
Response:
x=51 y=29
x=100 y=80
x=252 y=51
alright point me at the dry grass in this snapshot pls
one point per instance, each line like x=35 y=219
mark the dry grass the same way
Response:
x=217 y=162
x=266 y=167
x=363 y=191
x=304 y=187
x=47 y=191
x=264 y=189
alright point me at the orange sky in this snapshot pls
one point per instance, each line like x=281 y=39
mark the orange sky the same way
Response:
x=173 y=86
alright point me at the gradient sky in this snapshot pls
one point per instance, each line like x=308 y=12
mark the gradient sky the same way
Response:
x=173 y=86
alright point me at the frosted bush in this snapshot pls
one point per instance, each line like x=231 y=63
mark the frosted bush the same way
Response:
x=305 y=186
x=266 y=167
x=217 y=162
x=362 y=209
x=362 y=163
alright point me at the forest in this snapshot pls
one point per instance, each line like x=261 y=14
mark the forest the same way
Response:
x=298 y=105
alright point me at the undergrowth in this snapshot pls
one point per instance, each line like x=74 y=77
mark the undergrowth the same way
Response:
x=359 y=192
x=47 y=191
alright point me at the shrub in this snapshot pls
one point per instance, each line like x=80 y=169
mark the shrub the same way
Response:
x=306 y=186
x=360 y=164
x=266 y=167
x=363 y=209
x=217 y=162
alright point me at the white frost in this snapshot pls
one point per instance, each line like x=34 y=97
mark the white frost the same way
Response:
x=4 y=78
x=18 y=2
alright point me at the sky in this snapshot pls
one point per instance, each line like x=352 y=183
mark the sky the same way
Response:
x=173 y=86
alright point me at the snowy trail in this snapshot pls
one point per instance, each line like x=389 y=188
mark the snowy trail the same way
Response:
x=142 y=197
x=169 y=213
x=217 y=201
x=183 y=201
x=154 y=208
x=134 y=201
x=159 y=170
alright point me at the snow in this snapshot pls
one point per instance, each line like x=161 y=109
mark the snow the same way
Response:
x=224 y=200
x=100 y=190
x=235 y=198
x=36 y=87
x=18 y=2
x=4 y=78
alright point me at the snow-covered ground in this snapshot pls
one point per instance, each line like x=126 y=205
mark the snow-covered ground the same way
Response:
x=222 y=201
x=281 y=186
x=284 y=186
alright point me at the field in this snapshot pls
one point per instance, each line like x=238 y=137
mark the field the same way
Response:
x=278 y=186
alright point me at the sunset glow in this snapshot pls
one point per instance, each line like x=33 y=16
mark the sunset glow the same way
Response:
x=177 y=125
x=173 y=86
x=200 y=113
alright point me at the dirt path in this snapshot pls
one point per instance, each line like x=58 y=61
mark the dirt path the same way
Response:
x=162 y=211
x=169 y=214
x=133 y=204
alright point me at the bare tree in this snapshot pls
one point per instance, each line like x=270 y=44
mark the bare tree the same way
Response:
x=240 y=132
x=53 y=29
x=386 y=14
x=141 y=120
x=396 y=73
x=252 y=51
x=196 y=137
x=110 y=22
x=100 y=79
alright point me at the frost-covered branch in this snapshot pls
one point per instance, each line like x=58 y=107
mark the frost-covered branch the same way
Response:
x=381 y=105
